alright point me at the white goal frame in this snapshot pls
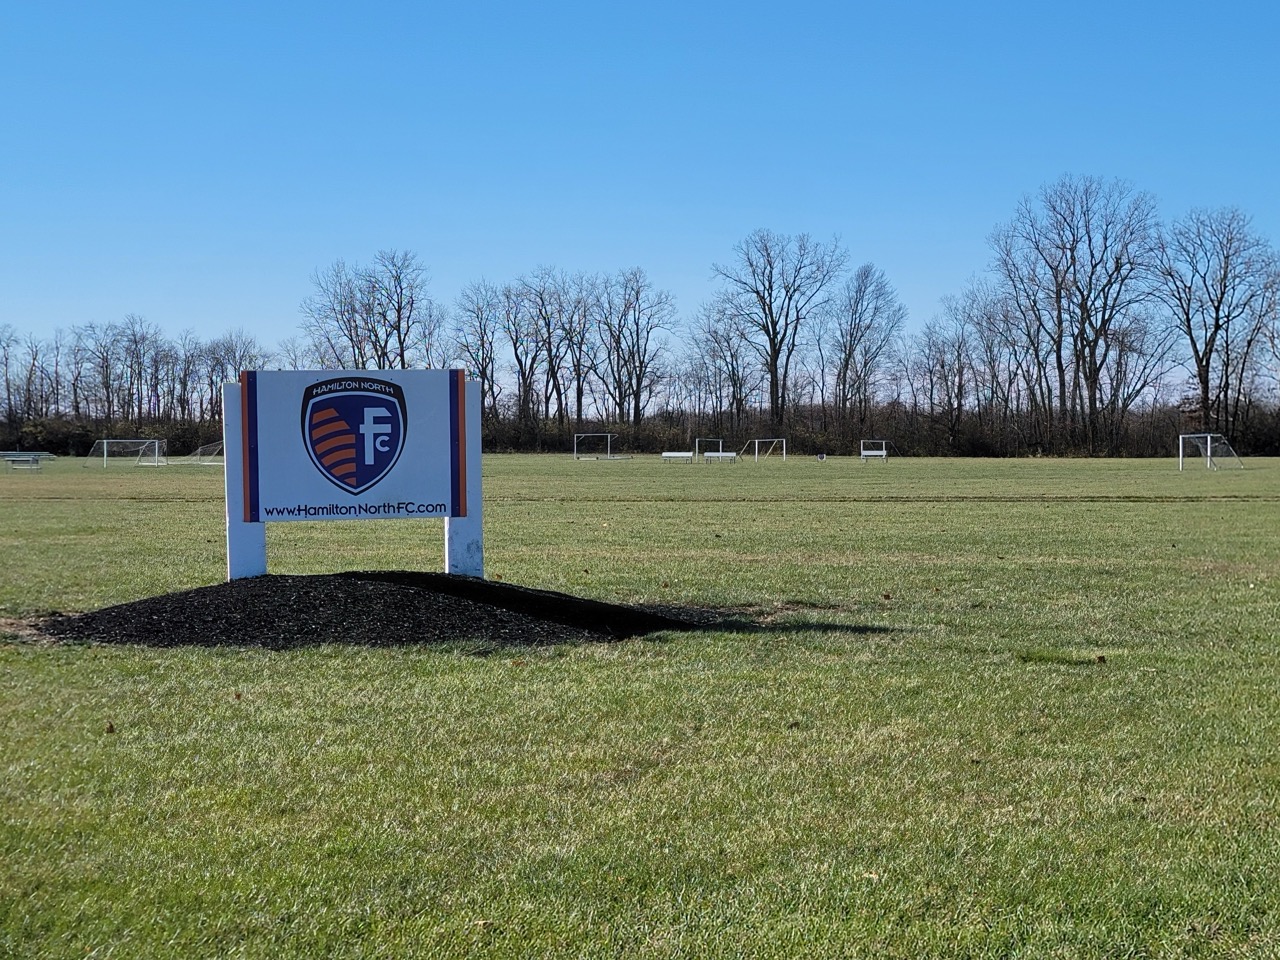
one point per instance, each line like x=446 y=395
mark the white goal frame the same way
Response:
x=144 y=452
x=771 y=441
x=608 y=447
x=1213 y=447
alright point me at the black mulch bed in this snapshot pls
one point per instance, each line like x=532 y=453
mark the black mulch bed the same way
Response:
x=368 y=609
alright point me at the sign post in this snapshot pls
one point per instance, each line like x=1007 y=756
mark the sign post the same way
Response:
x=246 y=542
x=352 y=445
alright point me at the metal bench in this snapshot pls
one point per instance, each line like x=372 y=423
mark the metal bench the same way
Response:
x=685 y=456
x=718 y=457
x=874 y=450
x=23 y=463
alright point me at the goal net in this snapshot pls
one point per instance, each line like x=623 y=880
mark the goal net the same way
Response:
x=210 y=455
x=596 y=446
x=140 y=453
x=1212 y=448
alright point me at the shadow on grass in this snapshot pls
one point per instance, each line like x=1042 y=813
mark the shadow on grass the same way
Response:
x=858 y=629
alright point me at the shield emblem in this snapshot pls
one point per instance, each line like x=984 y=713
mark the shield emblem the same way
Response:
x=354 y=429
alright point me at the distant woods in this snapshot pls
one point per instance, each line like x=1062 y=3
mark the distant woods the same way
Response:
x=1094 y=329
x=62 y=392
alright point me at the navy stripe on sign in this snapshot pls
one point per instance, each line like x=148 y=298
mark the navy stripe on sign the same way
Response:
x=456 y=508
x=249 y=409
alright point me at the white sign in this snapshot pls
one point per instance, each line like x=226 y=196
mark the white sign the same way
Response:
x=352 y=445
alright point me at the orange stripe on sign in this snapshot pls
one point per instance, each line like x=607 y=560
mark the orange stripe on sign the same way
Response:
x=342 y=440
x=333 y=426
x=348 y=453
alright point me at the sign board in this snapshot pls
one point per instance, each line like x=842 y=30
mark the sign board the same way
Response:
x=352 y=445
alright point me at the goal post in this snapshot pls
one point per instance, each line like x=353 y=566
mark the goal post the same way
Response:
x=755 y=445
x=137 y=452
x=586 y=446
x=1213 y=448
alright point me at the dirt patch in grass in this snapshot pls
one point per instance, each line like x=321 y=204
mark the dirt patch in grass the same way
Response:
x=381 y=608
x=20 y=629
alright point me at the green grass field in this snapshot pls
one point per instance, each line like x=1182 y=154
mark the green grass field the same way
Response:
x=993 y=709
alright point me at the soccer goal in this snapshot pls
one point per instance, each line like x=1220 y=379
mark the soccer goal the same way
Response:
x=210 y=455
x=767 y=444
x=1212 y=448
x=702 y=448
x=588 y=446
x=139 y=453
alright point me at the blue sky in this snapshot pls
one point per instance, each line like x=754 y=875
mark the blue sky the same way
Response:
x=194 y=163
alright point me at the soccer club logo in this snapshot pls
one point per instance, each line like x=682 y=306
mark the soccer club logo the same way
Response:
x=354 y=429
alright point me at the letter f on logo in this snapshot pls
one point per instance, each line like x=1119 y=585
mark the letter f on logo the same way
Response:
x=374 y=429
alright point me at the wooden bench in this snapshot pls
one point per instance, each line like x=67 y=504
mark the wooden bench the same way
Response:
x=685 y=456
x=715 y=457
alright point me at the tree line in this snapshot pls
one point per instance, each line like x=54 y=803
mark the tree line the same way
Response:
x=1095 y=329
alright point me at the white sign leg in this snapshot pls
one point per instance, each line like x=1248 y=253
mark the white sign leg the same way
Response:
x=464 y=536
x=246 y=542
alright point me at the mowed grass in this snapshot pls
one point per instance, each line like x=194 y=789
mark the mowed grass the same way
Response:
x=992 y=709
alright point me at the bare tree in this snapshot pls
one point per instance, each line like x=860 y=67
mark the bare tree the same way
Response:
x=189 y=360
x=558 y=307
x=331 y=318
x=1219 y=280
x=8 y=341
x=733 y=375
x=943 y=372
x=298 y=353
x=630 y=315
x=1273 y=367
x=775 y=286
x=33 y=373
x=1035 y=326
x=1076 y=265
x=26 y=380
x=33 y=382
x=103 y=351
x=79 y=374
x=226 y=357
x=1141 y=357
x=520 y=328
x=140 y=341
x=866 y=319
x=579 y=337
x=1001 y=377
x=475 y=332
x=540 y=293
x=377 y=317
x=406 y=325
